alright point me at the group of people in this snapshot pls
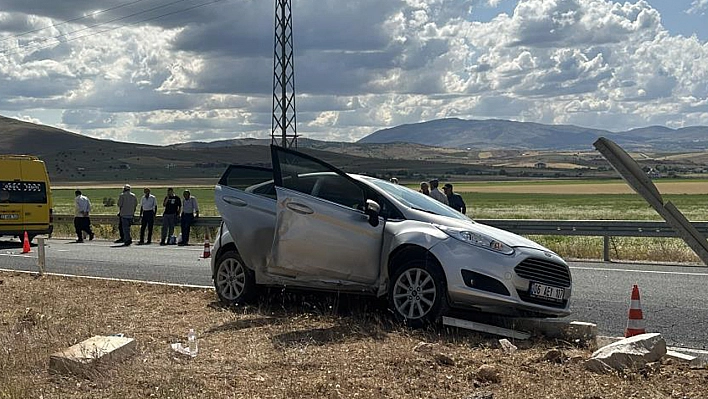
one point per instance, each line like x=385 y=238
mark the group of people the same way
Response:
x=175 y=210
x=447 y=196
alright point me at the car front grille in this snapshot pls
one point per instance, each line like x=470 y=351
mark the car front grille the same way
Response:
x=544 y=271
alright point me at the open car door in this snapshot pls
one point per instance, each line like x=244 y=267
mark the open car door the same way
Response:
x=245 y=198
x=325 y=232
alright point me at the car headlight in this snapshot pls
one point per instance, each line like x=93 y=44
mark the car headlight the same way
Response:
x=477 y=239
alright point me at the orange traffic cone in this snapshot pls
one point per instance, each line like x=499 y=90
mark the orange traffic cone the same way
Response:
x=25 y=244
x=207 y=250
x=635 y=323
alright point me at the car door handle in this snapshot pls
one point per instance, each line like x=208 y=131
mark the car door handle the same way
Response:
x=234 y=201
x=300 y=208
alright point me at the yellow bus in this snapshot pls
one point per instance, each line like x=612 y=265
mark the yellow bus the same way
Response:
x=25 y=197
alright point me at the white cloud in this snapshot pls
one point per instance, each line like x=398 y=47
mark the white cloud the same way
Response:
x=698 y=7
x=360 y=66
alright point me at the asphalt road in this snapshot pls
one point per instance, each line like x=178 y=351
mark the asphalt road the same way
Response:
x=673 y=299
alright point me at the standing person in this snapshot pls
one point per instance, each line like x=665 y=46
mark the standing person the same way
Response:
x=172 y=206
x=81 y=218
x=436 y=193
x=190 y=210
x=127 y=203
x=455 y=200
x=424 y=188
x=148 y=209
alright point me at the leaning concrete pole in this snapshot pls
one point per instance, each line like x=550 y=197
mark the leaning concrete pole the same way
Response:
x=633 y=174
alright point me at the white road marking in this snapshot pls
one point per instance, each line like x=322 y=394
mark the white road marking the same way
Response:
x=639 y=271
x=122 y=280
x=17 y=255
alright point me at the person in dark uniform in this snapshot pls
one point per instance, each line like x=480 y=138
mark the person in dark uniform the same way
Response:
x=455 y=200
x=172 y=206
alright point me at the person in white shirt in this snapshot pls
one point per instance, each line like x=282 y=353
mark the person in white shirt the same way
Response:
x=148 y=210
x=190 y=210
x=436 y=193
x=81 y=217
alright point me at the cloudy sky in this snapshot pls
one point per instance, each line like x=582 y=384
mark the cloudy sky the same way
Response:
x=166 y=71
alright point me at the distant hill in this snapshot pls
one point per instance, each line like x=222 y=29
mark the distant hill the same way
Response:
x=74 y=157
x=443 y=148
x=502 y=134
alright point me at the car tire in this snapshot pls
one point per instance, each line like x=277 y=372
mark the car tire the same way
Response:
x=418 y=293
x=233 y=280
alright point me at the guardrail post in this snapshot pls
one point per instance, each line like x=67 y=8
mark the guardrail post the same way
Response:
x=606 y=248
x=41 y=257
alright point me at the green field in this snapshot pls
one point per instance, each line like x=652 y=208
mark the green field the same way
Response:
x=479 y=205
x=577 y=206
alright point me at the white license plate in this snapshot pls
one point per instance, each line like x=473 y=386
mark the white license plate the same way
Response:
x=9 y=216
x=547 y=292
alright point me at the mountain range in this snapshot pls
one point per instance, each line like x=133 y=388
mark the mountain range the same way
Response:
x=445 y=146
x=503 y=134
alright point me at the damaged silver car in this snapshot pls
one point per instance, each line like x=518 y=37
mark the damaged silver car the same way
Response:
x=304 y=223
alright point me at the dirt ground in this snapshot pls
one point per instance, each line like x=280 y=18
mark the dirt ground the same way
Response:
x=286 y=346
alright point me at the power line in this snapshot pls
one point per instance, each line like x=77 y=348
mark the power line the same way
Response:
x=34 y=45
x=93 y=14
x=68 y=39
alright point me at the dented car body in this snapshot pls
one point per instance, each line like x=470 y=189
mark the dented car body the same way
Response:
x=306 y=224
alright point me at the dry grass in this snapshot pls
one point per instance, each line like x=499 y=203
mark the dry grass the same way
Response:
x=290 y=346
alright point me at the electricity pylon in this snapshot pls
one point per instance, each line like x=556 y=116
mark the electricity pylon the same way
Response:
x=284 y=120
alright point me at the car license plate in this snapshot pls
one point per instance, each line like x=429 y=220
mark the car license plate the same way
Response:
x=547 y=292
x=9 y=216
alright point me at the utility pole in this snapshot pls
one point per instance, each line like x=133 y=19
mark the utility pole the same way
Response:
x=284 y=120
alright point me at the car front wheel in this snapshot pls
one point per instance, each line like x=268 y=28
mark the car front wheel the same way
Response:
x=234 y=282
x=418 y=293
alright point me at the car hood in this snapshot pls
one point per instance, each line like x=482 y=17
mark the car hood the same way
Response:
x=508 y=238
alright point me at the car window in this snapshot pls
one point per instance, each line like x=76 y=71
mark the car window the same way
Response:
x=23 y=192
x=308 y=176
x=340 y=190
x=416 y=200
x=251 y=179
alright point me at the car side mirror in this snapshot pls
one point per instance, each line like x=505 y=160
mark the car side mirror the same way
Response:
x=372 y=210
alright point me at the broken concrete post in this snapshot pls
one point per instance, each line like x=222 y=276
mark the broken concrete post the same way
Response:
x=81 y=358
x=554 y=328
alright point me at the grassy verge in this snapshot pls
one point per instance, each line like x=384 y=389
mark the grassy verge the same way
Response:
x=287 y=347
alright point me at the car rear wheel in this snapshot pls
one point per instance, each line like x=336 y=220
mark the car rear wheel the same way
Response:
x=234 y=282
x=418 y=293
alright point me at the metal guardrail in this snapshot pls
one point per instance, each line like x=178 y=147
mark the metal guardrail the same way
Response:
x=597 y=228
x=202 y=221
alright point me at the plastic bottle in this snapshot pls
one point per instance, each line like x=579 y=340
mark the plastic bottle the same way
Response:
x=192 y=343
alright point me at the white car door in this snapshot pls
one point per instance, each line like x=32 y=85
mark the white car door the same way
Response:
x=245 y=198
x=322 y=232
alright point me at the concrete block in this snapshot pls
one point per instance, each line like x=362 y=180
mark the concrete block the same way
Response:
x=82 y=358
x=485 y=328
x=554 y=328
x=679 y=356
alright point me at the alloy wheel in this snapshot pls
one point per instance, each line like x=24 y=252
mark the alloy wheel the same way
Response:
x=231 y=279
x=414 y=293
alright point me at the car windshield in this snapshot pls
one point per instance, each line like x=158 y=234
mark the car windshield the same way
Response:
x=415 y=200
